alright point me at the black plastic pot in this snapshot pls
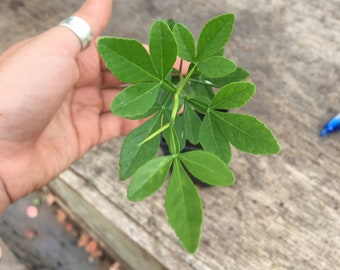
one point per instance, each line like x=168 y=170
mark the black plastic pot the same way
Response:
x=188 y=147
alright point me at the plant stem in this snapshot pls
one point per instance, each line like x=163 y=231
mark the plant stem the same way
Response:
x=158 y=131
x=186 y=79
x=179 y=90
x=174 y=108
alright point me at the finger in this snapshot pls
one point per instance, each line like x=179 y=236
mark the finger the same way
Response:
x=102 y=64
x=185 y=65
x=97 y=14
x=109 y=80
x=14 y=48
x=107 y=96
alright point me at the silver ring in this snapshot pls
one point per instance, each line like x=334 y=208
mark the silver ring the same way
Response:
x=81 y=28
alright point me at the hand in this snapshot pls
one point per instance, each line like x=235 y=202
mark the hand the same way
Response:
x=54 y=105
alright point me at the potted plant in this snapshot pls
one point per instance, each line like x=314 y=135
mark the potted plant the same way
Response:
x=192 y=107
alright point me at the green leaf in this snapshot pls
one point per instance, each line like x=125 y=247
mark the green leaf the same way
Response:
x=172 y=140
x=171 y=23
x=239 y=74
x=163 y=47
x=184 y=208
x=198 y=87
x=213 y=140
x=192 y=123
x=220 y=52
x=200 y=103
x=185 y=42
x=177 y=127
x=215 y=34
x=208 y=168
x=164 y=98
x=133 y=155
x=216 y=66
x=233 y=95
x=246 y=133
x=127 y=59
x=136 y=100
x=149 y=178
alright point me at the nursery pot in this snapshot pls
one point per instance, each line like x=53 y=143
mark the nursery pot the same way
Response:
x=188 y=147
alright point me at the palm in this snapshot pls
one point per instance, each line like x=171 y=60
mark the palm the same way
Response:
x=52 y=105
x=69 y=115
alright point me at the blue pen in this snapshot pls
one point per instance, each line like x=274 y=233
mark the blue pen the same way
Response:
x=331 y=126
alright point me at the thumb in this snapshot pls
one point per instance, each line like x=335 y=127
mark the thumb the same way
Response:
x=97 y=14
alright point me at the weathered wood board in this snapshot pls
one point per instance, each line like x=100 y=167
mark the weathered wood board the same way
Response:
x=283 y=212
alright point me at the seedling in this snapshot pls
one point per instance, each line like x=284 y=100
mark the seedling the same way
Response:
x=193 y=107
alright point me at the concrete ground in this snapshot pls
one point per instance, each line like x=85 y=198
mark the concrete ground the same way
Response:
x=8 y=260
x=41 y=242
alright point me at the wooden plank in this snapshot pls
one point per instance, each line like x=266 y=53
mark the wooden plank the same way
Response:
x=283 y=211
x=87 y=207
x=260 y=224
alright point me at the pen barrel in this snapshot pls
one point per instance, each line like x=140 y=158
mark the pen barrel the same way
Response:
x=331 y=126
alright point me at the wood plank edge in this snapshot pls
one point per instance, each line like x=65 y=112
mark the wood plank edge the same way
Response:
x=115 y=242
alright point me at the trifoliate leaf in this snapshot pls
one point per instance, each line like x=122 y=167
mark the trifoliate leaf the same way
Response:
x=208 y=168
x=213 y=140
x=172 y=140
x=192 y=123
x=246 y=133
x=216 y=66
x=238 y=75
x=184 y=208
x=149 y=178
x=163 y=47
x=214 y=36
x=133 y=154
x=185 y=42
x=136 y=100
x=127 y=59
x=233 y=95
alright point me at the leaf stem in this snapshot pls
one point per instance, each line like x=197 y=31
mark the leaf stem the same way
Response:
x=186 y=79
x=158 y=131
x=174 y=108
x=179 y=90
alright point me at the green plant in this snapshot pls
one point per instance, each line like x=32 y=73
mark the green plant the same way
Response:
x=212 y=86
